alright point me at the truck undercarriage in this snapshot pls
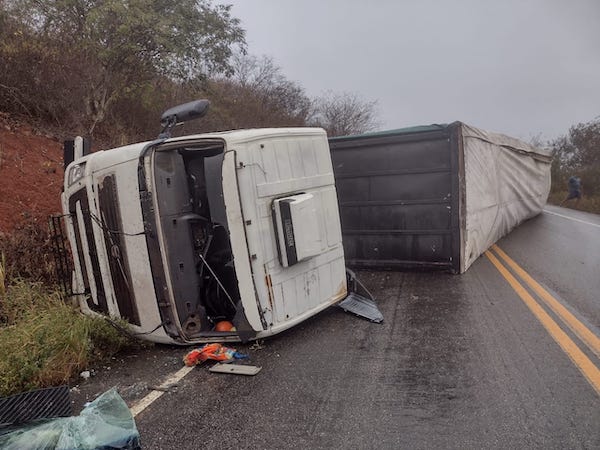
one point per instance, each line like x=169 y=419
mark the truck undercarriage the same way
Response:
x=187 y=210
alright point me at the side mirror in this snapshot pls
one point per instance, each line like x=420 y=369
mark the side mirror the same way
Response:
x=182 y=113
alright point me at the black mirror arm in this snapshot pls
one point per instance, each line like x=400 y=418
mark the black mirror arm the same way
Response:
x=168 y=123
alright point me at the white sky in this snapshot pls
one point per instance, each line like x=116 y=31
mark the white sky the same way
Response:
x=518 y=67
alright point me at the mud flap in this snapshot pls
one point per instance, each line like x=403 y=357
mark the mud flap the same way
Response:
x=244 y=329
x=360 y=301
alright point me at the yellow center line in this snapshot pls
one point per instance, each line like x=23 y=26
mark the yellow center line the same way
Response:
x=583 y=363
x=589 y=338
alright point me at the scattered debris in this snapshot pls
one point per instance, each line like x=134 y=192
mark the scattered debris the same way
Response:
x=172 y=387
x=360 y=301
x=236 y=369
x=104 y=423
x=134 y=390
x=85 y=374
x=361 y=306
x=215 y=352
x=258 y=345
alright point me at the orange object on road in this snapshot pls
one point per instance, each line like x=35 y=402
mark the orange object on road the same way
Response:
x=224 y=325
x=215 y=352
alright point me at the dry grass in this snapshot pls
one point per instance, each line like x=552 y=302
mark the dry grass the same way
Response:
x=2 y=276
x=587 y=203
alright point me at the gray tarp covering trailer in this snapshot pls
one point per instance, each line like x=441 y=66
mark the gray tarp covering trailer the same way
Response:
x=434 y=196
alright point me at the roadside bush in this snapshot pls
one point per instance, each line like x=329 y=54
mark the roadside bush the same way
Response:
x=28 y=252
x=44 y=341
x=577 y=153
x=587 y=203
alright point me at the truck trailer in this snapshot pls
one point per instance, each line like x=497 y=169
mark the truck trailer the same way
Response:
x=434 y=196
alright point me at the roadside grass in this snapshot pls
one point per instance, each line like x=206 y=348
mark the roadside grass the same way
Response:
x=587 y=203
x=45 y=341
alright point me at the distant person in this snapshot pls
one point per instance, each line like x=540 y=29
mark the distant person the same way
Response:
x=575 y=190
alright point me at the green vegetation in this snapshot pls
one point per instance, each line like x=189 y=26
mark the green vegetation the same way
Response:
x=578 y=153
x=110 y=51
x=44 y=341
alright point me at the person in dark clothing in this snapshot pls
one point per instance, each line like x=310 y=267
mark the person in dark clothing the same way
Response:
x=575 y=190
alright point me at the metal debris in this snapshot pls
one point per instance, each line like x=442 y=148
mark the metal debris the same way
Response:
x=39 y=404
x=236 y=369
x=361 y=306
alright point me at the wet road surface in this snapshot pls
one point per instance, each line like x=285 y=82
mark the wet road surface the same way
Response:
x=459 y=362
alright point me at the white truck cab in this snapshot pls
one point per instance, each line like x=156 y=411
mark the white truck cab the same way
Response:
x=179 y=234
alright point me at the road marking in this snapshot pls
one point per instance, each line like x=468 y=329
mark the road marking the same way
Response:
x=583 y=363
x=589 y=338
x=156 y=394
x=572 y=218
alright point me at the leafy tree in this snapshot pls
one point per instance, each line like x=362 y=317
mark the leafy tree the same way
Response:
x=345 y=113
x=34 y=76
x=123 y=45
x=578 y=153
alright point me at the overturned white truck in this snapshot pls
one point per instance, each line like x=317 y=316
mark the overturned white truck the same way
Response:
x=179 y=234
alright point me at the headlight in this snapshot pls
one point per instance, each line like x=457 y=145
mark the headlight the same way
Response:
x=76 y=173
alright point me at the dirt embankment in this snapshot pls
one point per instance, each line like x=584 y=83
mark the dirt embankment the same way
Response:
x=31 y=174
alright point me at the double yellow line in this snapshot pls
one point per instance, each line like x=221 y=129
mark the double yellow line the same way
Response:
x=583 y=363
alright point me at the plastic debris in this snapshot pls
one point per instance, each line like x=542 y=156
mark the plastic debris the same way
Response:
x=104 y=423
x=361 y=306
x=215 y=352
x=235 y=369
x=360 y=301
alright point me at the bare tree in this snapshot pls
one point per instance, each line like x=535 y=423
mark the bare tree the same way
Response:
x=536 y=140
x=344 y=113
x=257 y=95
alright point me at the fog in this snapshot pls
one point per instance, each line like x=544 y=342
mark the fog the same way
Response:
x=525 y=68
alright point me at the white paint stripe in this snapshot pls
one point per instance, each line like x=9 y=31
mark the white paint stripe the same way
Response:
x=572 y=218
x=155 y=395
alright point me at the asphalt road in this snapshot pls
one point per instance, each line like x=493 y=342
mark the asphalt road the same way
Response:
x=460 y=362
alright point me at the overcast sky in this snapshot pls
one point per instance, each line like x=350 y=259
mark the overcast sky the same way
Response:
x=518 y=67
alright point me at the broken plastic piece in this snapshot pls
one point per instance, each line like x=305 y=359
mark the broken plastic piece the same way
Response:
x=235 y=369
x=361 y=306
x=104 y=423
x=215 y=352
x=359 y=300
